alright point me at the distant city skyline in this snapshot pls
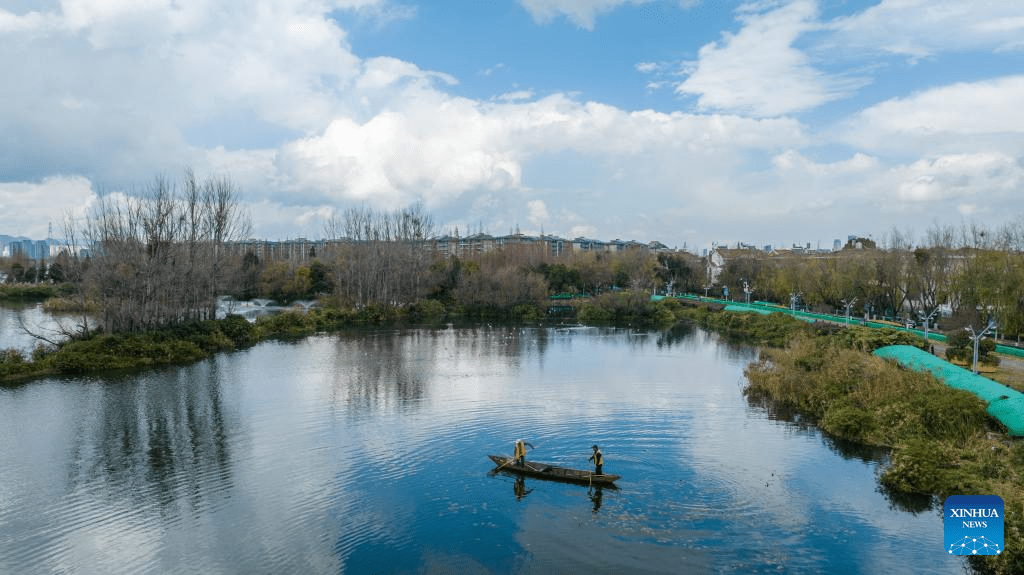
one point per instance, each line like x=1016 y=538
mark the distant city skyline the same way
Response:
x=689 y=122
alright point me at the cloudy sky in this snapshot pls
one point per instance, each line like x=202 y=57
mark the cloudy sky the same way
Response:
x=689 y=122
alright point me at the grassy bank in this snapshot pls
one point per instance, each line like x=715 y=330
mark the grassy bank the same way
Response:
x=179 y=344
x=193 y=341
x=29 y=292
x=942 y=441
x=756 y=329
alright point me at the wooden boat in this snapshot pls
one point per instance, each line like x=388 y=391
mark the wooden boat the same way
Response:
x=547 y=471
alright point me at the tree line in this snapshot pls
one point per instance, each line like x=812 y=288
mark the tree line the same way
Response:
x=971 y=272
x=158 y=257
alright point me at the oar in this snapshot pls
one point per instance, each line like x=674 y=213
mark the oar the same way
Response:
x=506 y=463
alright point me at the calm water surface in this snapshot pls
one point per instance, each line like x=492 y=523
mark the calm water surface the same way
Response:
x=366 y=453
x=21 y=323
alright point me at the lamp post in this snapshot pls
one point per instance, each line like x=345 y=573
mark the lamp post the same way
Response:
x=747 y=290
x=793 y=297
x=976 y=337
x=848 y=305
x=928 y=321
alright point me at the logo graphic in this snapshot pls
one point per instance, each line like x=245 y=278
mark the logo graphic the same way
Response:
x=973 y=524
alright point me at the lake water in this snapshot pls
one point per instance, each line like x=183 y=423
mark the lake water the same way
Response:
x=22 y=326
x=366 y=453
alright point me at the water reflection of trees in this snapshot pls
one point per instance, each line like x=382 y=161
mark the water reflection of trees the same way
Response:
x=395 y=369
x=911 y=503
x=680 y=333
x=159 y=437
x=381 y=370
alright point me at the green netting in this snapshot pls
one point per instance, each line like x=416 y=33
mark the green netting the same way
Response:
x=765 y=307
x=742 y=308
x=1014 y=351
x=1005 y=404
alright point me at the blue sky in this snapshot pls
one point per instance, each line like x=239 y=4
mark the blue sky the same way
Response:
x=688 y=122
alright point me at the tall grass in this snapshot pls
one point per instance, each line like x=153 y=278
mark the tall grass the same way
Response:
x=943 y=442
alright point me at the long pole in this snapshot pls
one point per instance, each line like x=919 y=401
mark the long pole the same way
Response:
x=975 y=364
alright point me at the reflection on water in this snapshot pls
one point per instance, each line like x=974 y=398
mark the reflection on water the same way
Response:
x=873 y=456
x=25 y=326
x=366 y=452
x=519 y=487
x=596 y=494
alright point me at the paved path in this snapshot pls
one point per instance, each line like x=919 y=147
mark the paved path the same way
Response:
x=1010 y=371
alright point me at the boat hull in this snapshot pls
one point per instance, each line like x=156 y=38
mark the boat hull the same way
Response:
x=552 y=472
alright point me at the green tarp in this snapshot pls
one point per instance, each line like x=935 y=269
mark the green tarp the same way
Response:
x=750 y=309
x=1004 y=403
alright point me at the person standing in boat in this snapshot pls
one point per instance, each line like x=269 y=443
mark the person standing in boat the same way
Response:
x=598 y=459
x=520 y=452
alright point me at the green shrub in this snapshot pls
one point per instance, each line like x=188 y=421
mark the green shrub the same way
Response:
x=11 y=356
x=526 y=312
x=848 y=422
x=949 y=414
x=869 y=339
x=920 y=466
x=238 y=329
x=595 y=315
x=427 y=310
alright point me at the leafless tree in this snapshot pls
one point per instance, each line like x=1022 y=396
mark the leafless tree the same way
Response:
x=156 y=257
x=380 y=258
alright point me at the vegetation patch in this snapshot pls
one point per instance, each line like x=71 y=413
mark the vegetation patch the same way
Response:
x=942 y=440
x=774 y=329
x=36 y=292
x=628 y=308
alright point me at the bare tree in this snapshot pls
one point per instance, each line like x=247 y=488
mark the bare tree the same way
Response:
x=381 y=258
x=156 y=256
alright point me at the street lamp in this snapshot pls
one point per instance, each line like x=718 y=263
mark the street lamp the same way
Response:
x=848 y=305
x=976 y=338
x=747 y=290
x=928 y=320
x=793 y=297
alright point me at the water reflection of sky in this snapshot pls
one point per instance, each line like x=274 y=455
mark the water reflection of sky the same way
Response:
x=21 y=323
x=366 y=452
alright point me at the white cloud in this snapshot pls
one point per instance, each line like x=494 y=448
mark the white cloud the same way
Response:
x=582 y=231
x=758 y=71
x=793 y=160
x=922 y=28
x=433 y=147
x=133 y=75
x=950 y=118
x=26 y=209
x=516 y=96
x=538 y=212
x=850 y=194
x=499 y=67
x=646 y=67
x=579 y=12
x=962 y=177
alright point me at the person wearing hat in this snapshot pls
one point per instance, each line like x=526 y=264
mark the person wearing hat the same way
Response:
x=598 y=459
x=520 y=451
